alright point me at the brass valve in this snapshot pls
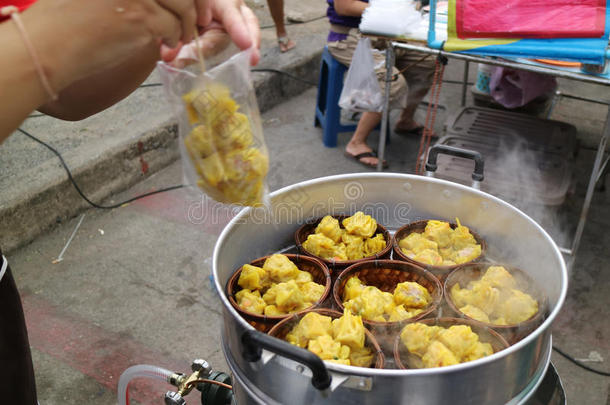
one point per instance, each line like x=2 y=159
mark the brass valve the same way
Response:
x=201 y=369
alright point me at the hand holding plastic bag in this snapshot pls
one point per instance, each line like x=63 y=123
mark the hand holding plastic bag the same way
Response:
x=221 y=138
x=361 y=91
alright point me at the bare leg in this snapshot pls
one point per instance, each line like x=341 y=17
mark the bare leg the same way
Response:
x=357 y=144
x=276 y=7
x=406 y=121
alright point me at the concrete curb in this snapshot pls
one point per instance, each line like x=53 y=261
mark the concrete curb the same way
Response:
x=117 y=168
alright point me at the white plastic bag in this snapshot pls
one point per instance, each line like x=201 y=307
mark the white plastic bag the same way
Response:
x=361 y=90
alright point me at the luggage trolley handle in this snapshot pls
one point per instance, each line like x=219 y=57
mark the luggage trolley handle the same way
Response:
x=479 y=161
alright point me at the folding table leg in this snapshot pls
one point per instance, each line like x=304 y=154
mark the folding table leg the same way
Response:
x=595 y=174
x=383 y=132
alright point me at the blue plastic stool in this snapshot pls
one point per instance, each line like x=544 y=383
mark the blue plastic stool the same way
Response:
x=328 y=112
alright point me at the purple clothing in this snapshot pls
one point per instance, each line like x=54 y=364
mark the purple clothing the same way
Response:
x=337 y=19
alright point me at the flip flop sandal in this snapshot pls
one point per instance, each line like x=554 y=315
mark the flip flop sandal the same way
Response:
x=285 y=41
x=417 y=131
x=359 y=156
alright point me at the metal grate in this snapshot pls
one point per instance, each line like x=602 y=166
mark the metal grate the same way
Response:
x=527 y=159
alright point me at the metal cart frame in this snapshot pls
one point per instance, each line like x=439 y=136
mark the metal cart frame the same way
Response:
x=598 y=165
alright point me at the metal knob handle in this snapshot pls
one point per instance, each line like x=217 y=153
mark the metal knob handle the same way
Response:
x=479 y=161
x=173 y=398
x=254 y=342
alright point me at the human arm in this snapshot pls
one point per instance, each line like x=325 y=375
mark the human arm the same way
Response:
x=99 y=91
x=109 y=42
x=351 y=8
x=64 y=34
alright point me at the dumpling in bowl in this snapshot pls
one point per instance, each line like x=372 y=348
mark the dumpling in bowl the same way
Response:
x=280 y=268
x=329 y=226
x=360 y=224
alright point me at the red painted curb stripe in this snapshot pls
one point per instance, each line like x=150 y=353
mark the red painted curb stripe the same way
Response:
x=94 y=351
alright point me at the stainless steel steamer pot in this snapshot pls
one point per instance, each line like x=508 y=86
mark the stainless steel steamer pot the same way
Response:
x=394 y=199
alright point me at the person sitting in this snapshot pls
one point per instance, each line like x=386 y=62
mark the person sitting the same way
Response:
x=413 y=84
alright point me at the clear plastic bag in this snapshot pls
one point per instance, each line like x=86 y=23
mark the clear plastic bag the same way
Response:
x=361 y=90
x=221 y=137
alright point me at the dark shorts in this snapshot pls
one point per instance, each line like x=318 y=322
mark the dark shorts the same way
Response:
x=17 y=385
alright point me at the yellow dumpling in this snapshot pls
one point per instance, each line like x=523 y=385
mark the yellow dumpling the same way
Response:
x=479 y=350
x=428 y=256
x=374 y=245
x=199 y=142
x=312 y=291
x=466 y=254
x=233 y=133
x=329 y=226
x=340 y=341
x=212 y=169
x=518 y=307
x=411 y=294
x=497 y=276
x=369 y=304
x=280 y=268
x=485 y=297
x=289 y=296
x=360 y=224
x=399 y=313
x=416 y=242
x=461 y=237
x=253 y=278
x=438 y=347
x=361 y=357
x=311 y=326
x=303 y=277
x=475 y=313
x=438 y=355
x=460 y=296
x=353 y=288
x=339 y=252
x=439 y=232
x=272 y=310
x=320 y=245
x=250 y=301
x=460 y=339
x=325 y=347
x=355 y=248
x=417 y=337
x=349 y=330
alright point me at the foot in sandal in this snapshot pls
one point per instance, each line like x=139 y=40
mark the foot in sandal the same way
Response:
x=285 y=44
x=363 y=154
